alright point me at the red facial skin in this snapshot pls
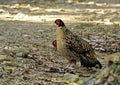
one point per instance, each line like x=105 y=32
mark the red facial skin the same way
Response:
x=59 y=23
x=54 y=43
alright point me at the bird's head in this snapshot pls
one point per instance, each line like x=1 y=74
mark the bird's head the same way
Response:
x=54 y=43
x=59 y=23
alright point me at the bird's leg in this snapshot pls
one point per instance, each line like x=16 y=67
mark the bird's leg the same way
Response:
x=72 y=67
x=72 y=64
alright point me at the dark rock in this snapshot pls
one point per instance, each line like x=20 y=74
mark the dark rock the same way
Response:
x=109 y=75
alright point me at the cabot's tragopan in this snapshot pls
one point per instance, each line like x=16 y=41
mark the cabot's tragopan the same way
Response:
x=74 y=48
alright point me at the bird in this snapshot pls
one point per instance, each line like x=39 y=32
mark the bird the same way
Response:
x=74 y=48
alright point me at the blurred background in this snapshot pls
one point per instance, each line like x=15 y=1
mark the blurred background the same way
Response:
x=92 y=11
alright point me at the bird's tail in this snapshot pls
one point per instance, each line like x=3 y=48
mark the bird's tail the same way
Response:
x=98 y=64
x=88 y=61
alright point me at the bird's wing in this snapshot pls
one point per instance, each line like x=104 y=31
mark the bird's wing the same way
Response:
x=77 y=44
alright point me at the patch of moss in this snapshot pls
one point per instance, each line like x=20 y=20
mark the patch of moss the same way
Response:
x=100 y=75
x=119 y=79
x=78 y=81
x=84 y=25
x=21 y=52
x=114 y=66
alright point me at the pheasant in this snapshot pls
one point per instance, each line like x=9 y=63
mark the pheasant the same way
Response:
x=74 y=48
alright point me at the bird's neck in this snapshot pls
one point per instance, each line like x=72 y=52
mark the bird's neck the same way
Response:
x=60 y=38
x=63 y=28
x=60 y=33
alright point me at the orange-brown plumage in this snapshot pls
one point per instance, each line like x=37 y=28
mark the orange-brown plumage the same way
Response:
x=75 y=48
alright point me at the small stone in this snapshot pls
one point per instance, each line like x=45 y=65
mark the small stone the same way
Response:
x=113 y=58
x=73 y=84
x=25 y=78
x=4 y=58
x=73 y=78
x=52 y=69
x=1 y=69
x=2 y=11
x=110 y=78
x=98 y=81
x=21 y=52
x=2 y=38
x=19 y=16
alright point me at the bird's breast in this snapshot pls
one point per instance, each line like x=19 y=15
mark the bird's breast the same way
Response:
x=60 y=40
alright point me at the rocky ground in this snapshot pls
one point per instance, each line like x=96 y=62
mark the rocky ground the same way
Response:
x=27 y=31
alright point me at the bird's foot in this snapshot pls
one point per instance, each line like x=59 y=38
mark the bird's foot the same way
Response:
x=72 y=67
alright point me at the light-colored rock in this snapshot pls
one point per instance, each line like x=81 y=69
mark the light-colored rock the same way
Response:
x=115 y=58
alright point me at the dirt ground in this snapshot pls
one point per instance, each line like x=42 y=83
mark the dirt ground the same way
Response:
x=27 y=30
